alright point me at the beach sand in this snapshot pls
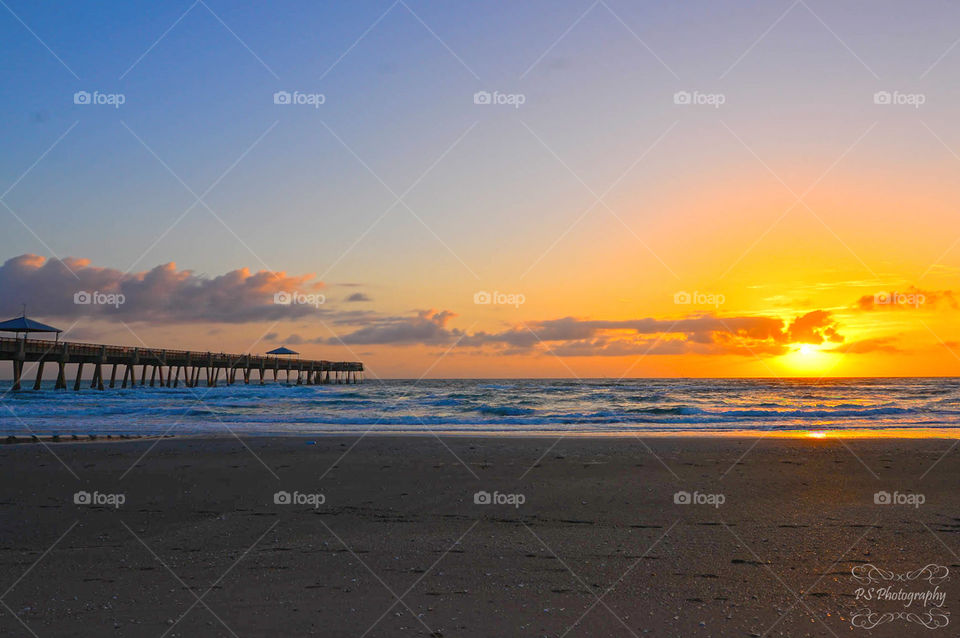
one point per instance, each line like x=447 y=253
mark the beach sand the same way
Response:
x=598 y=547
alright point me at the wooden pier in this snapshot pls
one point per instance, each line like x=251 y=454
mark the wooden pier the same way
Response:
x=168 y=368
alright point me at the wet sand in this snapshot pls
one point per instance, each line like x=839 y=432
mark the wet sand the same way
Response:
x=587 y=539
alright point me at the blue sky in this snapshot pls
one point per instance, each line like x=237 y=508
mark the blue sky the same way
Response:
x=399 y=98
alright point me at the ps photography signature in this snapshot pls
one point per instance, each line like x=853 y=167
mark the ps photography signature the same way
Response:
x=934 y=597
x=896 y=594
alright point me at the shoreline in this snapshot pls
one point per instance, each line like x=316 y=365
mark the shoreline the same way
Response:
x=748 y=435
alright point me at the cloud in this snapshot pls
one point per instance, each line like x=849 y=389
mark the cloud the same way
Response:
x=427 y=327
x=166 y=294
x=619 y=347
x=879 y=344
x=162 y=294
x=295 y=340
x=571 y=336
x=814 y=327
x=700 y=328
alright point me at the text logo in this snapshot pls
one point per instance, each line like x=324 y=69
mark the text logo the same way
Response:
x=96 y=498
x=284 y=298
x=298 y=98
x=496 y=298
x=696 y=98
x=886 y=498
x=516 y=100
x=297 y=498
x=686 y=498
x=99 y=99
x=893 y=298
x=486 y=498
x=84 y=298
x=896 y=98
x=684 y=298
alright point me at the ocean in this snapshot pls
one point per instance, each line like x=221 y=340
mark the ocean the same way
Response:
x=523 y=406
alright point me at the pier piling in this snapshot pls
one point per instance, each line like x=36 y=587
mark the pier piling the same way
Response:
x=36 y=384
x=17 y=369
x=76 y=385
x=61 y=375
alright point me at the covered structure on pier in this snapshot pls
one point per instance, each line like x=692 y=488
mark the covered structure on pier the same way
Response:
x=24 y=325
x=284 y=351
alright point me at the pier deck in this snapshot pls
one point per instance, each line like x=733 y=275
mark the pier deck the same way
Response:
x=168 y=365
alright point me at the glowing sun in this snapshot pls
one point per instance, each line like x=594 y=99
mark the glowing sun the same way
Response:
x=808 y=359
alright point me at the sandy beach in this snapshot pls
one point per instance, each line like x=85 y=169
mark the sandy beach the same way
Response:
x=581 y=537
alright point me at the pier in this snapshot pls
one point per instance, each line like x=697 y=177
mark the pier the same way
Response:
x=167 y=368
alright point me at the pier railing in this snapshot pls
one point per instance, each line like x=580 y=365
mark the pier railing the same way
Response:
x=166 y=363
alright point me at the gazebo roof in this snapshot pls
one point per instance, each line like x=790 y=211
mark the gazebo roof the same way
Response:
x=22 y=324
x=282 y=350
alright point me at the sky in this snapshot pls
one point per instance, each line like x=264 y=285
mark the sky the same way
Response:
x=491 y=189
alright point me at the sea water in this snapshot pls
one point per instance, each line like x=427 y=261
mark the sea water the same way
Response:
x=525 y=406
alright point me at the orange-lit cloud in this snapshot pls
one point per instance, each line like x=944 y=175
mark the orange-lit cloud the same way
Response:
x=427 y=327
x=706 y=334
x=865 y=346
x=239 y=307
x=814 y=327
